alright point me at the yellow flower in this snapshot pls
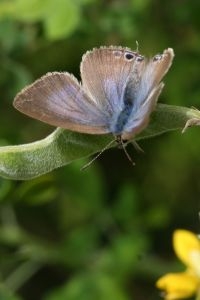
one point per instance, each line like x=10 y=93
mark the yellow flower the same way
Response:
x=185 y=284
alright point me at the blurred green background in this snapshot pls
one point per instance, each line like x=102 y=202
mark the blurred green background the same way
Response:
x=104 y=233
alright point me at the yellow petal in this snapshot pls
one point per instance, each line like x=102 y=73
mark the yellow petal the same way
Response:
x=187 y=247
x=178 y=285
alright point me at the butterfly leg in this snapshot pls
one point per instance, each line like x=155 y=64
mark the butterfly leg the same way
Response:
x=122 y=144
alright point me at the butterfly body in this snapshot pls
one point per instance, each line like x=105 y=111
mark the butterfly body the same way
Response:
x=119 y=91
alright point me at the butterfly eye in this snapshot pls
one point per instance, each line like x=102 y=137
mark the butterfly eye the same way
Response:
x=157 y=57
x=129 y=56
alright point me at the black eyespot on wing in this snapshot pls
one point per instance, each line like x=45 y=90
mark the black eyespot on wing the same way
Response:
x=139 y=58
x=129 y=56
x=117 y=53
x=157 y=57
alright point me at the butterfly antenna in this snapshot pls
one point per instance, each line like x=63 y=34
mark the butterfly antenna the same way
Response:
x=91 y=161
x=137 y=46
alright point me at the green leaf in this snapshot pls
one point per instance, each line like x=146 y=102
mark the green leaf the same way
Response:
x=30 y=11
x=60 y=17
x=64 y=21
x=63 y=147
x=6 y=9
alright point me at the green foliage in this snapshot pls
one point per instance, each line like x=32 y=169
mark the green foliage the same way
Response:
x=89 y=287
x=104 y=233
x=60 y=18
x=6 y=295
x=78 y=245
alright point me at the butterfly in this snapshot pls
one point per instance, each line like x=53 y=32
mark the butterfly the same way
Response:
x=118 y=92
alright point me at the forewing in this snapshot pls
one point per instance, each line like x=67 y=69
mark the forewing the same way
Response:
x=105 y=73
x=58 y=99
x=148 y=91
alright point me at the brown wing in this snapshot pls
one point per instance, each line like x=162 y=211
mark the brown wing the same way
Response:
x=59 y=100
x=148 y=91
x=105 y=73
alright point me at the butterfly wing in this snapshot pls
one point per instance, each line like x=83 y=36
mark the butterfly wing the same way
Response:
x=148 y=91
x=110 y=76
x=105 y=73
x=59 y=100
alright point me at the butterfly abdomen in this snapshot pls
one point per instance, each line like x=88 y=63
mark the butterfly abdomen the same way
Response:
x=122 y=120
